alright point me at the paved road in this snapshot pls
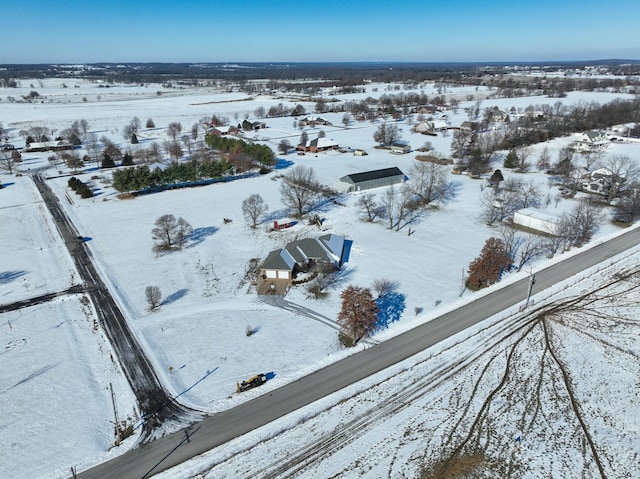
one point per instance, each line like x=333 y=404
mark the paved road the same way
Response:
x=215 y=430
x=154 y=401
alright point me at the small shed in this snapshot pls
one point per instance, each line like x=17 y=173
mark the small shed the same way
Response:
x=372 y=179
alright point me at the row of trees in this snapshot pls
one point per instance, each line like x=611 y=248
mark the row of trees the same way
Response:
x=80 y=188
x=141 y=177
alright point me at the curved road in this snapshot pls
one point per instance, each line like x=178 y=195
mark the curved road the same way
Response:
x=156 y=405
x=217 y=429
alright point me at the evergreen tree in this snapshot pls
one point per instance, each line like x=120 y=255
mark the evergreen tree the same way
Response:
x=511 y=160
x=107 y=162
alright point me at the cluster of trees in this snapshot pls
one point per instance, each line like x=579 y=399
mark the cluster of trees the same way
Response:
x=170 y=233
x=475 y=149
x=234 y=149
x=514 y=250
x=387 y=134
x=141 y=177
x=80 y=188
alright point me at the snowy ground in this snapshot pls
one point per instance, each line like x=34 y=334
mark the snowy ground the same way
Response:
x=197 y=338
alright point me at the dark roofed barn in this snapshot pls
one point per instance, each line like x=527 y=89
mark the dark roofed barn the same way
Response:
x=373 y=179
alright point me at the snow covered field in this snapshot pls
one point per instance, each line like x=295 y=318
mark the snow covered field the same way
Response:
x=197 y=339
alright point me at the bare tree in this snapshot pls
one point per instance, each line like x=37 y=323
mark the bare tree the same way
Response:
x=528 y=195
x=186 y=141
x=368 y=204
x=182 y=232
x=284 y=146
x=499 y=207
x=384 y=285
x=389 y=202
x=523 y=154
x=346 y=119
x=164 y=232
x=426 y=179
x=387 y=134
x=544 y=160
x=624 y=171
x=174 y=129
x=9 y=159
x=253 y=208
x=153 y=297
x=582 y=221
x=299 y=189
x=173 y=149
x=304 y=138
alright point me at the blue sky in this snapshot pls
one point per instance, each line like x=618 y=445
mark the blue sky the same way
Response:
x=73 y=31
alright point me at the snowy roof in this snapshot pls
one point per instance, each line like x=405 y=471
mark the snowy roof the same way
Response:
x=279 y=259
x=372 y=175
x=537 y=214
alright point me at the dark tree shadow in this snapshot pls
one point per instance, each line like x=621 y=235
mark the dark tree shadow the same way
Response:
x=449 y=192
x=200 y=234
x=337 y=279
x=7 y=277
x=390 y=308
x=281 y=164
x=172 y=298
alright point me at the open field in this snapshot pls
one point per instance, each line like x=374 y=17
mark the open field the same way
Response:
x=197 y=339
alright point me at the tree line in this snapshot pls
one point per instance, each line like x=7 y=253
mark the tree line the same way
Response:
x=141 y=177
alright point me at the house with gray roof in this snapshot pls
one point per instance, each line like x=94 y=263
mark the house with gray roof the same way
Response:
x=371 y=179
x=277 y=271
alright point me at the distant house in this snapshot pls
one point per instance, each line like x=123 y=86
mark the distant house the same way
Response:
x=371 y=179
x=496 y=115
x=313 y=121
x=223 y=130
x=277 y=271
x=536 y=220
x=400 y=148
x=601 y=181
x=589 y=141
x=253 y=125
x=319 y=144
x=469 y=126
x=57 y=145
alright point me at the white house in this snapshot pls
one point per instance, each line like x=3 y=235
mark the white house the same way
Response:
x=591 y=140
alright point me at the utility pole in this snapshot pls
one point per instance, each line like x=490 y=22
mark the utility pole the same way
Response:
x=532 y=281
x=115 y=413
